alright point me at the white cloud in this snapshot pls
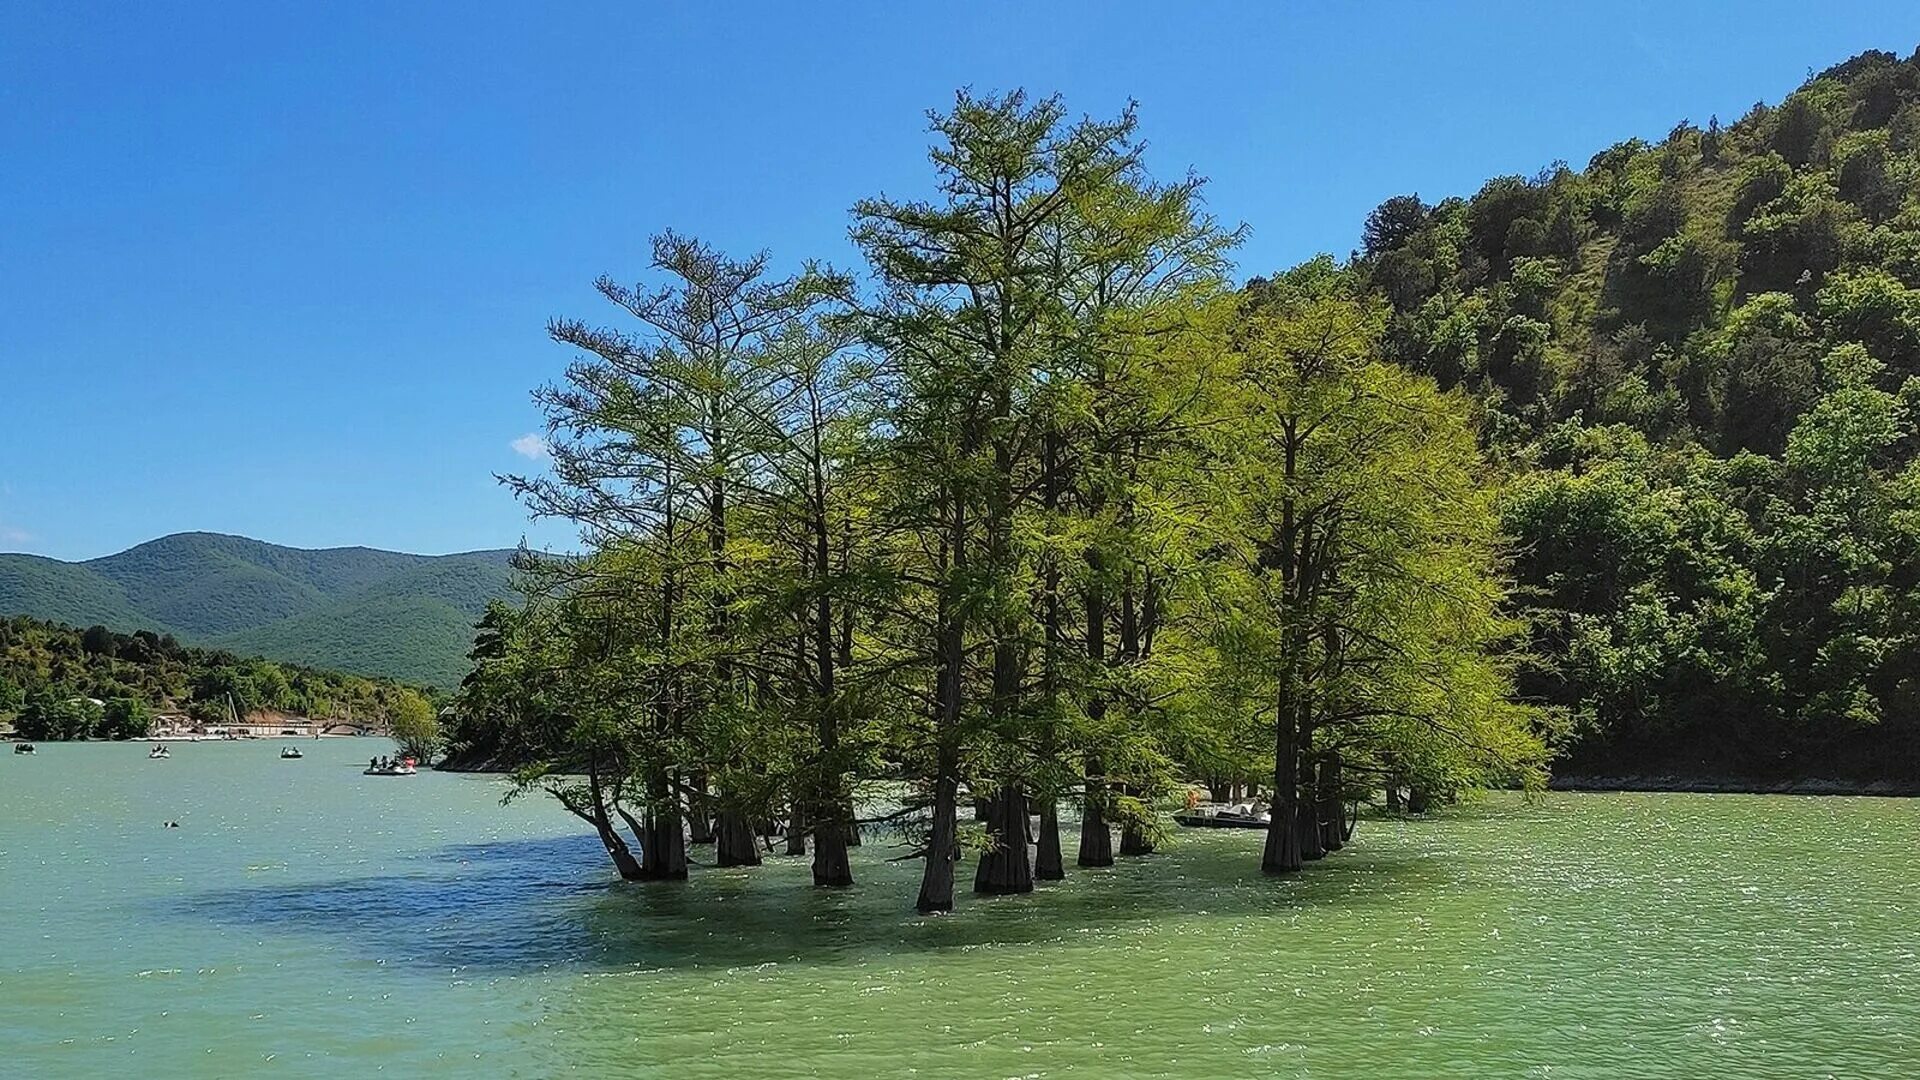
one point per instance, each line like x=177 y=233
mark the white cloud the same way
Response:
x=11 y=535
x=531 y=446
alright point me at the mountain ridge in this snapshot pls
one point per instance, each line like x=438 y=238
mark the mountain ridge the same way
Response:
x=357 y=608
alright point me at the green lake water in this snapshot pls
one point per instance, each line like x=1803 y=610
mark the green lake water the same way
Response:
x=306 y=920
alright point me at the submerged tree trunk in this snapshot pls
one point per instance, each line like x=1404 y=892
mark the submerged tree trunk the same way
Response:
x=1307 y=795
x=624 y=863
x=619 y=852
x=1047 y=862
x=1133 y=839
x=595 y=814
x=663 y=851
x=1004 y=867
x=1282 y=852
x=734 y=840
x=699 y=820
x=943 y=850
x=1096 y=836
x=797 y=832
x=831 y=868
x=1307 y=819
x=943 y=837
x=663 y=846
x=1333 y=809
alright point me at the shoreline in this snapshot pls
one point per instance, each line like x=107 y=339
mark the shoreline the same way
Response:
x=1734 y=785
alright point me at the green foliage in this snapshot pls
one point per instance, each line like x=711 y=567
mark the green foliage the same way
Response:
x=100 y=684
x=1711 y=448
x=125 y=718
x=415 y=724
x=57 y=712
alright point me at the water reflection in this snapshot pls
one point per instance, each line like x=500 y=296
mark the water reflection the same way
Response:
x=550 y=902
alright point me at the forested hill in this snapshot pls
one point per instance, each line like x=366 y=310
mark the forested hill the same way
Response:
x=60 y=682
x=357 y=609
x=1696 y=360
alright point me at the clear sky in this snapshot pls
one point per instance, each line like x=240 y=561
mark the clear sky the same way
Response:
x=283 y=270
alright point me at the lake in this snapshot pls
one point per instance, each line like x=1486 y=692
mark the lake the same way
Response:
x=306 y=920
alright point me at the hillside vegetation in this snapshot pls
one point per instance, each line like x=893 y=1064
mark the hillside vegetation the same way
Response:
x=60 y=682
x=1696 y=361
x=357 y=609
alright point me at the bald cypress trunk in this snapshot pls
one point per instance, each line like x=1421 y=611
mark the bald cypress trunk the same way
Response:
x=1281 y=855
x=1307 y=821
x=831 y=868
x=1333 y=810
x=1307 y=816
x=797 y=832
x=1096 y=836
x=699 y=819
x=1133 y=839
x=1282 y=852
x=663 y=852
x=734 y=840
x=1004 y=867
x=943 y=835
x=595 y=814
x=943 y=848
x=1047 y=861
x=663 y=847
x=617 y=850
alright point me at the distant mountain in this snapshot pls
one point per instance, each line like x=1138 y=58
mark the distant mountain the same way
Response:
x=355 y=609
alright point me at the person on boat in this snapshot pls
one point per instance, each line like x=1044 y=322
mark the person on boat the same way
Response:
x=373 y=763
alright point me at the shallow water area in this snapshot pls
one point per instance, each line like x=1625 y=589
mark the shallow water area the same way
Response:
x=306 y=920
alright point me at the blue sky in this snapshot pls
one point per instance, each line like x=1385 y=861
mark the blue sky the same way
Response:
x=283 y=270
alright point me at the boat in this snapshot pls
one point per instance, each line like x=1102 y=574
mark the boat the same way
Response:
x=24 y=748
x=1236 y=816
x=290 y=752
x=399 y=769
x=159 y=752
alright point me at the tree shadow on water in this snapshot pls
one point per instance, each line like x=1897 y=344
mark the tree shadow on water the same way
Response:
x=533 y=905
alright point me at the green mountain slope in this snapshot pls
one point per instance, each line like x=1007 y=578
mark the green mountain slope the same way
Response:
x=355 y=609
x=66 y=592
x=1698 y=361
x=416 y=626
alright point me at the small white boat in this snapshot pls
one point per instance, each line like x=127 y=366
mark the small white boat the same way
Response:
x=159 y=752
x=290 y=752
x=1244 y=815
x=24 y=748
x=397 y=768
